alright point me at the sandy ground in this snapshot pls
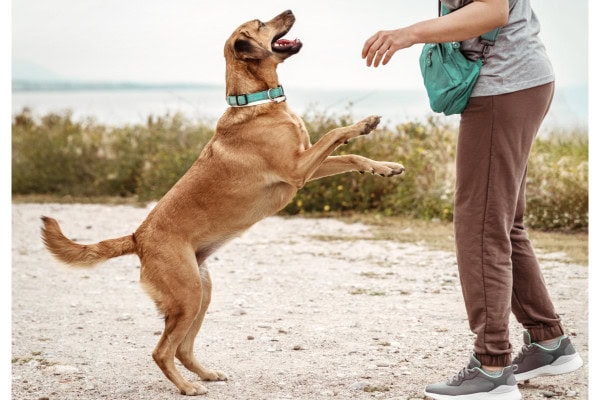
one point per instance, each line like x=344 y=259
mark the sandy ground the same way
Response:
x=293 y=316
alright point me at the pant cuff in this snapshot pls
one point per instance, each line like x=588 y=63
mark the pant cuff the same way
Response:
x=538 y=334
x=494 y=361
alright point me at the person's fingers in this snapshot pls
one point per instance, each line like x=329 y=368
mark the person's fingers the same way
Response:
x=372 y=52
x=379 y=49
x=368 y=45
x=379 y=56
x=388 y=56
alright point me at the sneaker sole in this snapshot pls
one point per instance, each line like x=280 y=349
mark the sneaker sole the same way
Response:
x=500 y=393
x=563 y=365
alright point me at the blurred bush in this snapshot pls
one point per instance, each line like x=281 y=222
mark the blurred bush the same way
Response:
x=557 y=184
x=55 y=155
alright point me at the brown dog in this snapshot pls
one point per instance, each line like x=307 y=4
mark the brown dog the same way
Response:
x=257 y=160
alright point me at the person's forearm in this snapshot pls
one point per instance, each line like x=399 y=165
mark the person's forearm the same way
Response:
x=470 y=21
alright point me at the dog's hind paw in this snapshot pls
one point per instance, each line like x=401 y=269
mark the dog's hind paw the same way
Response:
x=214 y=376
x=194 y=389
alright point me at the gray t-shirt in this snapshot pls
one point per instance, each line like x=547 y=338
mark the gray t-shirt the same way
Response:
x=518 y=59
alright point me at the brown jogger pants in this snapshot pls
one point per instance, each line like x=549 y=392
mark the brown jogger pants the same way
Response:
x=498 y=269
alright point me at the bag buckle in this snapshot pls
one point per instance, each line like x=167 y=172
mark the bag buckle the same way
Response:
x=486 y=49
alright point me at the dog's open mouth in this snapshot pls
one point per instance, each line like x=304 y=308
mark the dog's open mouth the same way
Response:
x=280 y=45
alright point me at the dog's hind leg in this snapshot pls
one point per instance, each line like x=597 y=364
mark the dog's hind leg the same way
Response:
x=173 y=281
x=185 y=351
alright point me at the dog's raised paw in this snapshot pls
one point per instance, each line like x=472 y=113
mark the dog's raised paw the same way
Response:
x=396 y=169
x=370 y=123
x=387 y=169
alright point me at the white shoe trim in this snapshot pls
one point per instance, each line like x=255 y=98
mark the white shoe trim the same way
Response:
x=562 y=365
x=505 y=392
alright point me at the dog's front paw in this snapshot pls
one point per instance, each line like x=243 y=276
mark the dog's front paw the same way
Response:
x=386 y=169
x=368 y=124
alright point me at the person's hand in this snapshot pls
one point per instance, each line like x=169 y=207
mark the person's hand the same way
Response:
x=383 y=45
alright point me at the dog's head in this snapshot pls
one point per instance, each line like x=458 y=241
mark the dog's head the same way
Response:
x=256 y=40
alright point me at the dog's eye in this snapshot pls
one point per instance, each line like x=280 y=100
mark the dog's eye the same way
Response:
x=260 y=24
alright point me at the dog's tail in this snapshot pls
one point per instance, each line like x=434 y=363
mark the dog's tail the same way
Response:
x=83 y=255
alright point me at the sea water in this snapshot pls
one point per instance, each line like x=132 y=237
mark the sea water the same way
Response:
x=117 y=106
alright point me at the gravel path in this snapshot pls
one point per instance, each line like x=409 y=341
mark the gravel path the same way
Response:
x=293 y=316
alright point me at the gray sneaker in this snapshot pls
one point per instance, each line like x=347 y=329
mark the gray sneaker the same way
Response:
x=536 y=360
x=473 y=383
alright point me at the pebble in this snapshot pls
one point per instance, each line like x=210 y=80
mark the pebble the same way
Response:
x=376 y=388
x=63 y=369
x=548 y=393
x=125 y=390
x=360 y=385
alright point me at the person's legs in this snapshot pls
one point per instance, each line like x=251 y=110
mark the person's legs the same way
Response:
x=531 y=302
x=495 y=138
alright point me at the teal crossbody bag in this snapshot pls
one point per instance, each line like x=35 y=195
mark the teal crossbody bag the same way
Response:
x=449 y=77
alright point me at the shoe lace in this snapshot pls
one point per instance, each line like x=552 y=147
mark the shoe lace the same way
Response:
x=460 y=375
x=524 y=350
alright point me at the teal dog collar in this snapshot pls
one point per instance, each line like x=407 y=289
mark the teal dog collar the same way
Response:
x=274 y=95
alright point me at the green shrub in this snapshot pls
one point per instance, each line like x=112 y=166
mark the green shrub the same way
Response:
x=58 y=156
x=170 y=147
x=55 y=155
x=557 y=185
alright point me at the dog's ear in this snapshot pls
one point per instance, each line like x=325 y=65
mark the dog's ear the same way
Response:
x=248 y=49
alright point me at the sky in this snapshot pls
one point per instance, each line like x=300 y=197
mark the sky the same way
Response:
x=182 y=40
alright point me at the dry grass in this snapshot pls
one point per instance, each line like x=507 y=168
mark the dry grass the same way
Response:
x=68 y=199
x=434 y=234
x=440 y=235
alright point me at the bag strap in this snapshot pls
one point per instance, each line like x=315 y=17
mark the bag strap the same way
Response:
x=487 y=39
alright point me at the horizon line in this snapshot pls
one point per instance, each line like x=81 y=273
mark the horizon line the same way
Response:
x=38 y=85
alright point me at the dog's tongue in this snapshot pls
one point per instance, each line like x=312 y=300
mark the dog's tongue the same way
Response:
x=285 y=43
